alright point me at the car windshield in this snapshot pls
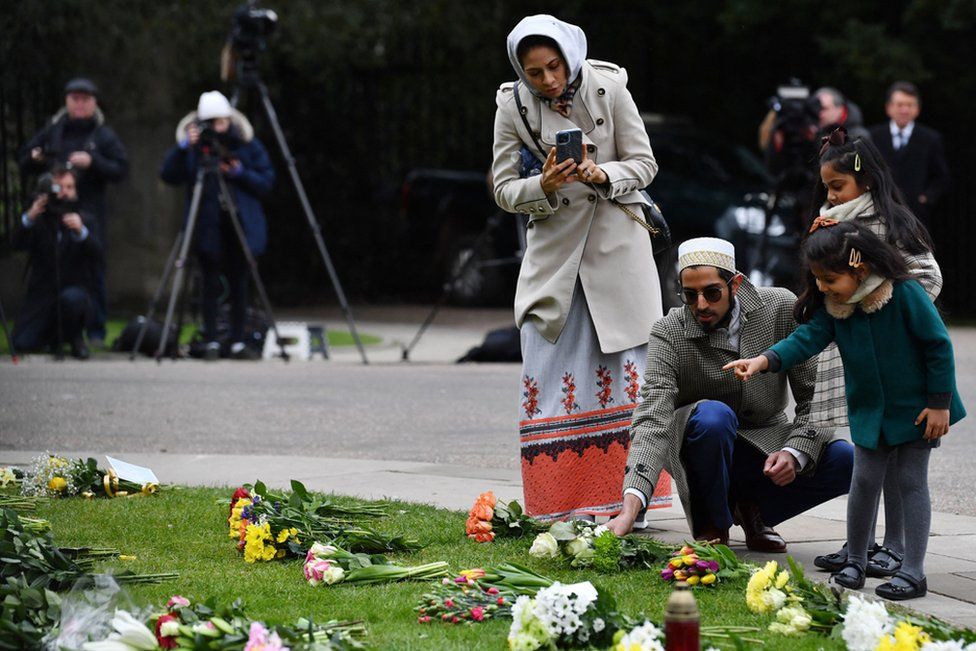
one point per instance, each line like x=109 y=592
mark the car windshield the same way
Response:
x=708 y=160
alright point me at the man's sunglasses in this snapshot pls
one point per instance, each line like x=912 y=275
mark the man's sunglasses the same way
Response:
x=712 y=293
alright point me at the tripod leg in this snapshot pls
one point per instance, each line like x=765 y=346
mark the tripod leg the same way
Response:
x=310 y=217
x=251 y=262
x=151 y=310
x=476 y=246
x=180 y=263
x=6 y=333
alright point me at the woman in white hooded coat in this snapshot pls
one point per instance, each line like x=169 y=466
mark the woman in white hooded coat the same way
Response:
x=588 y=289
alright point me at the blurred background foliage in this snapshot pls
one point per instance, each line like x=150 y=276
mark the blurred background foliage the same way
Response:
x=368 y=89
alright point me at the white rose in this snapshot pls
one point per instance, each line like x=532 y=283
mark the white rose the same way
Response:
x=544 y=546
x=322 y=551
x=576 y=546
x=169 y=628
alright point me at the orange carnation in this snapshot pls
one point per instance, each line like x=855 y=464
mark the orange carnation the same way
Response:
x=488 y=498
x=475 y=525
x=483 y=537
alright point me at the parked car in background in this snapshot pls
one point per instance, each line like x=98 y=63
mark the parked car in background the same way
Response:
x=706 y=186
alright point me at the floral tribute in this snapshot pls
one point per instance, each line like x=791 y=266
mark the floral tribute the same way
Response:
x=685 y=565
x=269 y=526
x=328 y=565
x=489 y=518
x=50 y=475
x=559 y=616
x=186 y=625
x=583 y=544
x=463 y=599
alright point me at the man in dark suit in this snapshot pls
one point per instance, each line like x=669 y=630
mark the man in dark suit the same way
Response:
x=913 y=151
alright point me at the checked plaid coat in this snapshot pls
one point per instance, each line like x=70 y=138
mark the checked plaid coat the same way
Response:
x=829 y=405
x=684 y=366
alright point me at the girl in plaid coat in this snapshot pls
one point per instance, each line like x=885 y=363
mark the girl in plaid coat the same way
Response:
x=856 y=185
x=899 y=377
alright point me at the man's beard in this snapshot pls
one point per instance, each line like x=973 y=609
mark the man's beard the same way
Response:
x=716 y=323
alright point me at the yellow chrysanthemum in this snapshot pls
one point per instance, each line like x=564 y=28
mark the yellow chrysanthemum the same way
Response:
x=782 y=579
x=905 y=638
x=234 y=521
x=257 y=543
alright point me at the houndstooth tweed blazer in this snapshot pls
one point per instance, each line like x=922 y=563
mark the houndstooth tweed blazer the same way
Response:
x=684 y=366
x=829 y=405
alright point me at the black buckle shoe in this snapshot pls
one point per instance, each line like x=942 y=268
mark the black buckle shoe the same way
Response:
x=79 y=350
x=879 y=568
x=853 y=581
x=915 y=588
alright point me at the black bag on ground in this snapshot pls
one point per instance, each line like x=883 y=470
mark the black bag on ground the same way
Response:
x=150 y=341
x=502 y=345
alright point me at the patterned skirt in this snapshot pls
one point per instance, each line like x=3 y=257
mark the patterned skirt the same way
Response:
x=828 y=408
x=574 y=427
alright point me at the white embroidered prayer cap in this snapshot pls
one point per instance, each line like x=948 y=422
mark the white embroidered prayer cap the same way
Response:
x=710 y=251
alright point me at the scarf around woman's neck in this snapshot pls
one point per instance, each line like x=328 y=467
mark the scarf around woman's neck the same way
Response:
x=564 y=103
x=862 y=206
x=873 y=294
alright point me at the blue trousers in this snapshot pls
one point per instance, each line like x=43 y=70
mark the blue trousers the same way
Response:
x=723 y=469
x=40 y=329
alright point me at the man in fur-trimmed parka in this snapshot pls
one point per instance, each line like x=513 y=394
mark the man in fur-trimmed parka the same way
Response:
x=734 y=455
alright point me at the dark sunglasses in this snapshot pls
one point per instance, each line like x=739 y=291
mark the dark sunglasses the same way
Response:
x=712 y=293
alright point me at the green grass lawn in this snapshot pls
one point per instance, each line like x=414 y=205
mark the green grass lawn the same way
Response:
x=185 y=530
x=115 y=326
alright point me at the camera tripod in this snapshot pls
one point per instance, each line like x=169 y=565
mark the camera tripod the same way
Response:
x=178 y=258
x=248 y=77
x=484 y=237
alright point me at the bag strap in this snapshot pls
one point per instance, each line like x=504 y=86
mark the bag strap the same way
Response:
x=522 y=111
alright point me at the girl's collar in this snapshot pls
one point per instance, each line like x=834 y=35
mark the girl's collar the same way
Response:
x=861 y=206
x=878 y=291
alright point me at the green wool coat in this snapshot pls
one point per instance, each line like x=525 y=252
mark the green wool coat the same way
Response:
x=897 y=359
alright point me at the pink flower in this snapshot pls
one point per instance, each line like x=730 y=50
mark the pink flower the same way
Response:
x=259 y=639
x=176 y=601
x=449 y=603
x=492 y=590
x=315 y=570
x=478 y=614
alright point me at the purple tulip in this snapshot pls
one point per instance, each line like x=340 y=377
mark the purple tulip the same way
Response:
x=667 y=574
x=713 y=566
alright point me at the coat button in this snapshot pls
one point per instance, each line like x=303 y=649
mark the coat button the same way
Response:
x=599 y=121
x=591 y=198
x=565 y=202
x=601 y=92
x=590 y=149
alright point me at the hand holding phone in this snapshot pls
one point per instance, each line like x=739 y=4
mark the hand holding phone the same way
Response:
x=569 y=145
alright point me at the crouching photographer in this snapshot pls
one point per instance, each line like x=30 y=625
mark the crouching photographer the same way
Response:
x=63 y=252
x=221 y=139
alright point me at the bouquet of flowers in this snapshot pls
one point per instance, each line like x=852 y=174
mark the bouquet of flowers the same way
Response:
x=489 y=517
x=587 y=545
x=645 y=637
x=479 y=594
x=208 y=626
x=867 y=626
x=704 y=564
x=565 y=616
x=268 y=525
x=50 y=475
x=328 y=565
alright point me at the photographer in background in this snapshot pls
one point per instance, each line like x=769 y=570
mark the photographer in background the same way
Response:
x=217 y=131
x=838 y=111
x=63 y=254
x=77 y=137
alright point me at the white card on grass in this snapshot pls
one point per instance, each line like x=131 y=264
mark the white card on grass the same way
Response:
x=131 y=472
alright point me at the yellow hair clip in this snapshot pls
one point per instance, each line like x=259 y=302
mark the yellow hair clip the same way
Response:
x=855 y=259
x=857 y=162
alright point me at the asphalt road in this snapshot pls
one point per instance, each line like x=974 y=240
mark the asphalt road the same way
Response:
x=438 y=413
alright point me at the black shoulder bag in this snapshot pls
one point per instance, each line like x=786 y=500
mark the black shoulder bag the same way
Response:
x=653 y=219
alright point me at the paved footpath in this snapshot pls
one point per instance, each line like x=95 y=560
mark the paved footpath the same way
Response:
x=427 y=431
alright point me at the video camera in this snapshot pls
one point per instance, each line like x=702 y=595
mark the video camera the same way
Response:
x=56 y=206
x=250 y=27
x=793 y=145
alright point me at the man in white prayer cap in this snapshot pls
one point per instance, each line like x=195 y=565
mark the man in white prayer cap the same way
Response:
x=734 y=455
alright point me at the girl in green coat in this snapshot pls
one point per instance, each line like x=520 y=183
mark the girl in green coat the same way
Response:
x=900 y=381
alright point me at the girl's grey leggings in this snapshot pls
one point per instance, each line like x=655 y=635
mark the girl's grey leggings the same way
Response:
x=911 y=470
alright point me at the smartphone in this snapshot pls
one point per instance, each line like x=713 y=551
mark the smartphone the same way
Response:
x=569 y=144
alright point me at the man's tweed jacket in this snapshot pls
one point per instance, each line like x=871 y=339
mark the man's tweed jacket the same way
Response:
x=684 y=366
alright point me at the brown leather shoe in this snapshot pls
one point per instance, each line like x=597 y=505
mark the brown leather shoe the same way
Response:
x=759 y=537
x=713 y=534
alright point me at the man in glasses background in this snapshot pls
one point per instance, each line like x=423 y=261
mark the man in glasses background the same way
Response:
x=735 y=456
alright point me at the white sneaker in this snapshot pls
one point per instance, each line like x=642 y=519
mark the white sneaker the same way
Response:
x=640 y=523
